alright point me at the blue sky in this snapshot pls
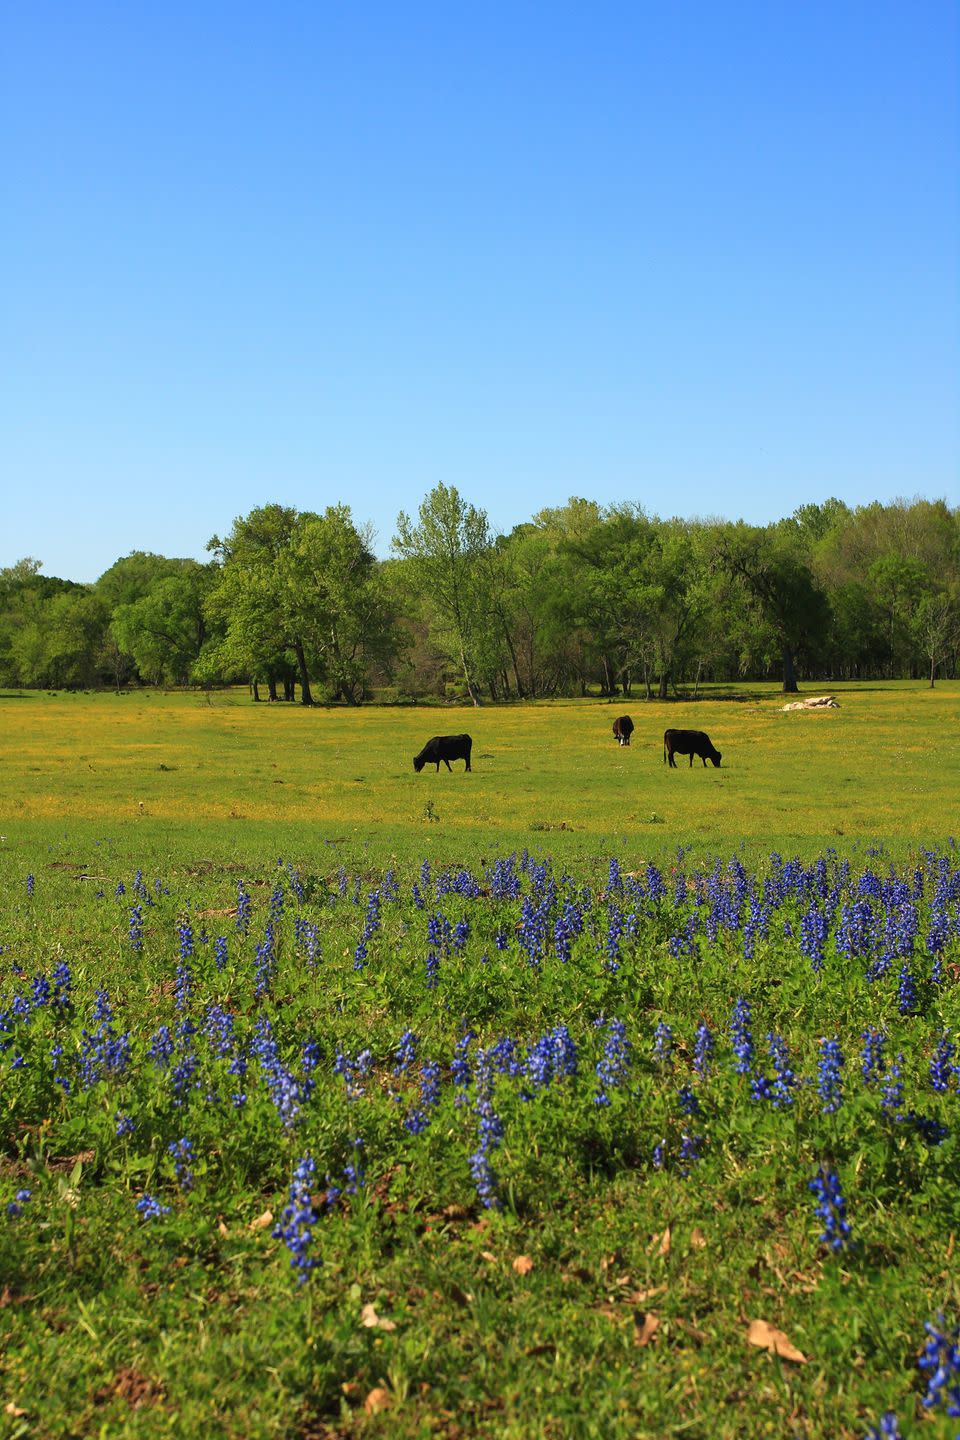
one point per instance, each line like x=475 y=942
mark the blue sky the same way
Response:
x=703 y=257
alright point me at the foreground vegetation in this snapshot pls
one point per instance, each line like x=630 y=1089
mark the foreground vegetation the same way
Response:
x=389 y=1107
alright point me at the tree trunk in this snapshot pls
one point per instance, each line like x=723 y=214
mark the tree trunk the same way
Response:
x=466 y=675
x=696 y=687
x=255 y=688
x=933 y=667
x=789 y=676
x=664 y=685
x=305 y=696
x=271 y=687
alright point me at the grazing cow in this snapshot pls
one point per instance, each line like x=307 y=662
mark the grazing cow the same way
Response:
x=445 y=748
x=688 y=742
x=622 y=730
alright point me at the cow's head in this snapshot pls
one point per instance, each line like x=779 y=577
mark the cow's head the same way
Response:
x=715 y=757
x=418 y=763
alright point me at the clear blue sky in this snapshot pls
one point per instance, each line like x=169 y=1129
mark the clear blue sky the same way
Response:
x=700 y=256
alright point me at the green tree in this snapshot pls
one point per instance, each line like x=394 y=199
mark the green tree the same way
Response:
x=780 y=587
x=165 y=629
x=445 y=552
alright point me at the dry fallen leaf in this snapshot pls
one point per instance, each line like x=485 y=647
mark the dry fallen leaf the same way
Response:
x=523 y=1264
x=698 y=1241
x=768 y=1337
x=378 y=1399
x=11 y=1409
x=372 y=1321
x=646 y=1328
x=262 y=1221
x=639 y=1297
x=489 y=1256
x=223 y=1230
x=660 y=1243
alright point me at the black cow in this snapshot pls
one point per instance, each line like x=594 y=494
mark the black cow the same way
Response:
x=622 y=730
x=445 y=748
x=688 y=742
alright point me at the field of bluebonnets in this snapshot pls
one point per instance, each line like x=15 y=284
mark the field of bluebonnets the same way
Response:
x=524 y=1145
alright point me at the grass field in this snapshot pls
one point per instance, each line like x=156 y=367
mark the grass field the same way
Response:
x=337 y=1101
x=885 y=768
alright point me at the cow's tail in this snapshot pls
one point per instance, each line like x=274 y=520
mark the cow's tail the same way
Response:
x=664 y=752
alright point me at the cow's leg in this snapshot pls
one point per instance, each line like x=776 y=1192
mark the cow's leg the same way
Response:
x=467 y=758
x=673 y=763
x=447 y=763
x=691 y=759
x=438 y=767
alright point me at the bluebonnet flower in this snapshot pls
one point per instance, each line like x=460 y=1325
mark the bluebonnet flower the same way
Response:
x=220 y=952
x=887 y=1429
x=185 y=937
x=941 y=1362
x=286 y=1093
x=139 y=888
x=15 y=1206
x=658 y=1156
x=276 y=903
x=63 y=984
x=56 y=1055
x=703 y=1049
x=149 y=1208
x=40 y=992
x=872 y=1062
x=183 y=986
x=461 y=933
x=181 y=1152
x=689 y=1152
x=123 y=1124
x=831 y=1208
x=353 y=1170
x=295 y=1228
x=663 y=1044
x=500 y=940
x=30 y=884
x=906 y=991
x=460 y=1070
x=406 y=1052
x=102 y=1052
x=813 y=937
x=354 y=1070
x=265 y=963
x=829 y=1079
x=612 y=1067
x=418 y=1119
x=688 y=1102
x=244 y=907
x=490 y=1129
x=779 y=1090
x=891 y=1097
x=161 y=1048
x=941 y=1070
x=742 y=1036
x=614 y=881
x=136 y=928
x=371 y=926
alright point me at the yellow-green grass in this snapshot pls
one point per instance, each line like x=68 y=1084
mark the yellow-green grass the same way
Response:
x=149 y=766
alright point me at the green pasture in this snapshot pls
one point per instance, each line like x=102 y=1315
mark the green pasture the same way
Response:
x=217 y=774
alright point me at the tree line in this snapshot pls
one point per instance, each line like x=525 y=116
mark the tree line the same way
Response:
x=582 y=597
